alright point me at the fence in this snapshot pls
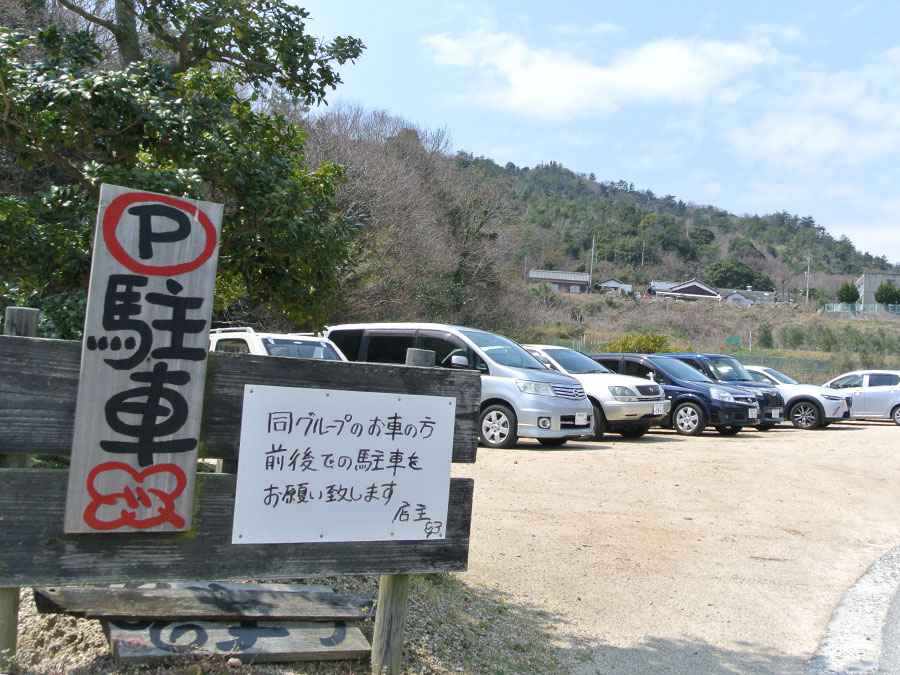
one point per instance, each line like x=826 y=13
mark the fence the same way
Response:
x=860 y=308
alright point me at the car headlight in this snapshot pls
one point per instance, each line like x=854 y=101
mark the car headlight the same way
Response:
x=538 y=388
x=623 y=393
x=829 y=397
x=721 y=395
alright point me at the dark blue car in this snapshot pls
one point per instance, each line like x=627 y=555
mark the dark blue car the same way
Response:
x=727 y=370
x=697 y=401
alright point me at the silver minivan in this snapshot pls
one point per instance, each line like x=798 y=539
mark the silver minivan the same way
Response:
x=519 y=397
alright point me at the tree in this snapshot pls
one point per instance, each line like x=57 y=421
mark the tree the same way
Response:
x=848 y=293
x=887 y=293
x=179 y=118
x=731 y=273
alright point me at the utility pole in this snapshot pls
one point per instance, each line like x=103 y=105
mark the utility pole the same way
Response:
x=808 y=260
x=591 y=267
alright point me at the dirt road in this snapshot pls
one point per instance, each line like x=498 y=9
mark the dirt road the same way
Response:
x=677 y=555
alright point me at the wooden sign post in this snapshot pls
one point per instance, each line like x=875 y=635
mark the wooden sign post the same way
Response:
x=143 y=363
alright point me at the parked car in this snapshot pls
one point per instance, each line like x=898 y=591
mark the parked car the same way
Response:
x=696 y=401
x=807 y=406
x=622 y=404
x=294 y=345
x=728 y=370
x=875 y=393
x=520 y=398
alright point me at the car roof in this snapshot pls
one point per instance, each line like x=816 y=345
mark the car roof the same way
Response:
x=408 y=325
x=695 y=354
x=548 y=347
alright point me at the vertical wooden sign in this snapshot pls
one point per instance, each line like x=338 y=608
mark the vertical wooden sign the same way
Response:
x=143 y=363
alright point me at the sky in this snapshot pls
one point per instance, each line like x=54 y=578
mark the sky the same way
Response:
x=753 y=107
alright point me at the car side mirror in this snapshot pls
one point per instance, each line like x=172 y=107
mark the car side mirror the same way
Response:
x=459 y=361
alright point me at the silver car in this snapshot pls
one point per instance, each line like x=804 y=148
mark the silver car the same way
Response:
x=875 y=394
x=519 y=397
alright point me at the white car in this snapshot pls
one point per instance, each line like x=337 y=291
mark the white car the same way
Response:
x=875 y=394
x=294 y=345
x=622 y=404
x=807 y=406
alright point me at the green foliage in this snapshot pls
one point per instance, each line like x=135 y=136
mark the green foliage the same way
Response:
x=826 y=337
x=887 y=293
x=69 y=126
x=848 y=293
x=731 y=273
x=764 y=337
x=641 y=343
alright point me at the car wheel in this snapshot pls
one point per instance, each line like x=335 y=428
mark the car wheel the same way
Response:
x=895 y=415
x=599 y=422
x=688 y=419
x=636 y=432
x=498 y=426
x=729 y=431
x=805 y=415
x=550 y=442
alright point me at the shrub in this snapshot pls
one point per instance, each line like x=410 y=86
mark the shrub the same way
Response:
x=641 y=343
x=848 y=293
x=764 y=337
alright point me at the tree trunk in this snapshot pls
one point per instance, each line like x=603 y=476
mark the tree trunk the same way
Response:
x=127 y=38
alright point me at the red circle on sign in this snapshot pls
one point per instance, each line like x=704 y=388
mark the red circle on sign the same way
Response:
x=111 y=223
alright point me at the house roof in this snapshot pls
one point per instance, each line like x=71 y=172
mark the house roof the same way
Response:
x=755 y=296
x=693 y=288
x=662 y=285
x=610 y=280
x=558 y=275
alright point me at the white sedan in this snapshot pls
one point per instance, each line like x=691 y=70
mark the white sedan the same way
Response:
x=875 y=393
x=807 y=406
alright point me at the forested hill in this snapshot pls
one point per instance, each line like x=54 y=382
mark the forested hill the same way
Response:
x=640 y=235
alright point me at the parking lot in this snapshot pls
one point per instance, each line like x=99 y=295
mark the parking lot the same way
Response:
x=677 y=554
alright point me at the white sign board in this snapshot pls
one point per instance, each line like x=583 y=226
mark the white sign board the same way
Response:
x=324 y=465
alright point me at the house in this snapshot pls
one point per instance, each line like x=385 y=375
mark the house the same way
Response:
x=693 y=289
x=565 y=282
x=868 y=284
x=614 y=286
x=656 y=286
x=747 y=297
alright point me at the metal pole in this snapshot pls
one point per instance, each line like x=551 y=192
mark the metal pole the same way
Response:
x=591 y=272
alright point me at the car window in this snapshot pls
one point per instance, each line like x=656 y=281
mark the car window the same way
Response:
x=847 y=381
x=348 y=341
x=503 y=350
x=389 y=348
x=300 y=349
x=547 y=363
x=759 y=377
x=883 y=380
x=728 y=369
x=445 y=347
x=678 y=370
x=576 y=363
x=636 y=369
x=610 y=364
x=781 y=377
x=232 y=346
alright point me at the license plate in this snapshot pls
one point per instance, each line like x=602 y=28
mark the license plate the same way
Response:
x=753 y=413
x=776 y=412
x=659 y=408
x=580 y=419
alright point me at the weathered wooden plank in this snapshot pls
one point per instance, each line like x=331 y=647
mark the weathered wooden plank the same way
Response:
x=203 y=600
x=250 y=641
x=143 y=365
x=390 y=624
x=34 y=551
x=39 y=379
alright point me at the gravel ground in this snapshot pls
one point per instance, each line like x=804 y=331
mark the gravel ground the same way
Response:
x=662 y=555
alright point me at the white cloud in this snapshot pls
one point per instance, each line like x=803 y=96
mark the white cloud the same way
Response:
x=514 y=76
x=594 y=29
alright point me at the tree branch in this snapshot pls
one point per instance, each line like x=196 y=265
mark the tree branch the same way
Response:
x=84 y=14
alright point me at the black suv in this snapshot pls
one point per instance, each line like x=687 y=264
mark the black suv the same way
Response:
x=728 y=370
x=697 y=401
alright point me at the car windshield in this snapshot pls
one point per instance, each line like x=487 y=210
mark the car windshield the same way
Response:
x=728 y=369
x=502 y=350
x=679 y=370
x=781 y=377
x=301 y=349
x=574 y=362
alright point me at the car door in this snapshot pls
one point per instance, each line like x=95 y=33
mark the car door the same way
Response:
x=445 y=346
x=877 y=396
x=851 y=385
x=387 y=346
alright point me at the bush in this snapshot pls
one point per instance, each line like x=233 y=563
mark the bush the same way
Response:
x=764 y=337
x=848 y=294
x=641 y=343
x=887 y=294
